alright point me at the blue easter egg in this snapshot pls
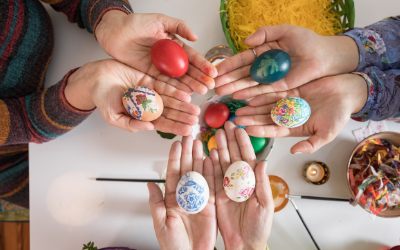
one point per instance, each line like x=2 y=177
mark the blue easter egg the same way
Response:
x=270 y=66
x=232 y=119
x=291 y=112
x=192 y=192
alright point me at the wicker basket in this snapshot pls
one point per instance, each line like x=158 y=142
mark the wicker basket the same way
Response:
x=345 y=8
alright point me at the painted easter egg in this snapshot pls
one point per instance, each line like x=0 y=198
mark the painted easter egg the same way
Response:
x=169 y=58
x=143 y=103
x=212 y=143
x=216 y=115
x=270 y=66
x=239 y=181
x=291 y=112
x=258 y=143
x=232 y=119
x=192 y=192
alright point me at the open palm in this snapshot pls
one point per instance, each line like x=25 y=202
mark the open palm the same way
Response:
x=243 y=225
x=332 y=101
x=176 y=229
x=128 y=38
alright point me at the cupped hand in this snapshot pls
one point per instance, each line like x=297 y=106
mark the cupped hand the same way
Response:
x=128 y=38
x=109 y=79
x=332 y=101
x=312 y=57
x=243 y=225
x=176 y=229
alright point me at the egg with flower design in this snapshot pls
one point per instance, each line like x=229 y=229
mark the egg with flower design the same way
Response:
x=270 y=66
x=239 y=181
x=291 y=112
x=192 y=192
x=143 y=103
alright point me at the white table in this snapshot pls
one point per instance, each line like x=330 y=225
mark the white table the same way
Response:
x=68 y=209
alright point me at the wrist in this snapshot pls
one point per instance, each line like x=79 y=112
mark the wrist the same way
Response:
x=77 y=90
x=359 y=92
x=341 y=54
x=109 y=21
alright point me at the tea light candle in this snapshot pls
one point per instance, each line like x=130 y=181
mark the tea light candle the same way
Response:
x=315 y=172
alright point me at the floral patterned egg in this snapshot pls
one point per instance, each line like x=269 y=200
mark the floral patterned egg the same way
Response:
x=143 y=103
x=239 y=181
x=291 y=112
x=192 y=192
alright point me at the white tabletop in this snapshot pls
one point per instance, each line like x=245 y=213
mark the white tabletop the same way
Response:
x=68 y=209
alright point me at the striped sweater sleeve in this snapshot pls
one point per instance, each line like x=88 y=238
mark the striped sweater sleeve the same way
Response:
x=38 y=117
x=88 y=13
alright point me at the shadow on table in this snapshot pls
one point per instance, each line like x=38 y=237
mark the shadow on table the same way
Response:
x=363 y=245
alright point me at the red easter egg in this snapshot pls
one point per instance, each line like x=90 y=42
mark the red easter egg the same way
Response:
x=169 y=58
x=216 y=115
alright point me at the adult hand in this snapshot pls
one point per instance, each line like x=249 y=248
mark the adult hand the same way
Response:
x=312 y=57
x=128 y=38
x=243 y=225
x=101 y=84
x=332 y=101
x=176 y=229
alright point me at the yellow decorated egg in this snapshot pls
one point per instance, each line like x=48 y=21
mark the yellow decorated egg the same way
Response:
x=143 y=103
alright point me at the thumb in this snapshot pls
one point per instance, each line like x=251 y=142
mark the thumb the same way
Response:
x=267 y=34
x=310 y=145
x=157 y=206
x=177 y=26
x=263 y=188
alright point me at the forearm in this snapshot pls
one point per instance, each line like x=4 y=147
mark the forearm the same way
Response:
x=77 y=90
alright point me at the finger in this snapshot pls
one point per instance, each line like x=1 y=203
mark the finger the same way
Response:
x=127 y=123
x=236 y=86
x=187 y=158
x=233 y=75
x=157 y=206
x=263 y=187
x=169 y=80
x=272 y=97
x=163 y=88
x=223 y=151
x=173 y=172
x=190 y=108
x=311 y=145
x=218 y=175
x=198 y=61
x=170 y=126
x=254 y=120
x=197 y=80
x=208 y=173
x=268 y=131
x=246 y=149
x=179 y=116
x=258 y=110
x=267 y=34
x=198 y=156
x=178 y=26
x=233 y=145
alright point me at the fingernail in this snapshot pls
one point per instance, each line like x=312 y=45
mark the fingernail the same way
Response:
x=297 y=153
x=248 y=37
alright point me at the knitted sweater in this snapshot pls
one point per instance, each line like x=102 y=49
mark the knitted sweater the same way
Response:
x=29 y=113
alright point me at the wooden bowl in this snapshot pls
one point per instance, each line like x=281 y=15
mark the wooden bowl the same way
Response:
x=395 y=139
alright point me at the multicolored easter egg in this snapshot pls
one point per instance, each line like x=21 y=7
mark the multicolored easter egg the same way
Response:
x=270 y=66
x=143 y=103
x=232 y=119
x=291 y=112
x=192 y=192
x=212 y=143
x=258 y=143
x=239 y=181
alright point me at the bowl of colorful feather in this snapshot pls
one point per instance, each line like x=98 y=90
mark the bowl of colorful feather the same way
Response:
x=373 y=175
x=223 y=111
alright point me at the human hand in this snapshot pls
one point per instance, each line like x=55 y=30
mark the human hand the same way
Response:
x=128 y=38
x=176 y=229
x=101 y=84
x=243 y=225
x=312 y=57
x=332 y=101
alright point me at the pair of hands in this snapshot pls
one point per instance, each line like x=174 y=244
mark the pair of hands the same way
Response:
x=317 y=75
x=128 y=39
x=244 y=225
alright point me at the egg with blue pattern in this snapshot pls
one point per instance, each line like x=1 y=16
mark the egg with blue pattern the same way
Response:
x=291 y=112
x=192 y=192
x=270 y=66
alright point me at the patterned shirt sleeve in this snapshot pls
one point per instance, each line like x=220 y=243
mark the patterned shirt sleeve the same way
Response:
x=88 y=13
x=378 y=44
x=38 y=117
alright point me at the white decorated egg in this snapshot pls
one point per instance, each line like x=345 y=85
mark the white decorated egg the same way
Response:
x=239 y=181
x=291 y=112
x=192 y=192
